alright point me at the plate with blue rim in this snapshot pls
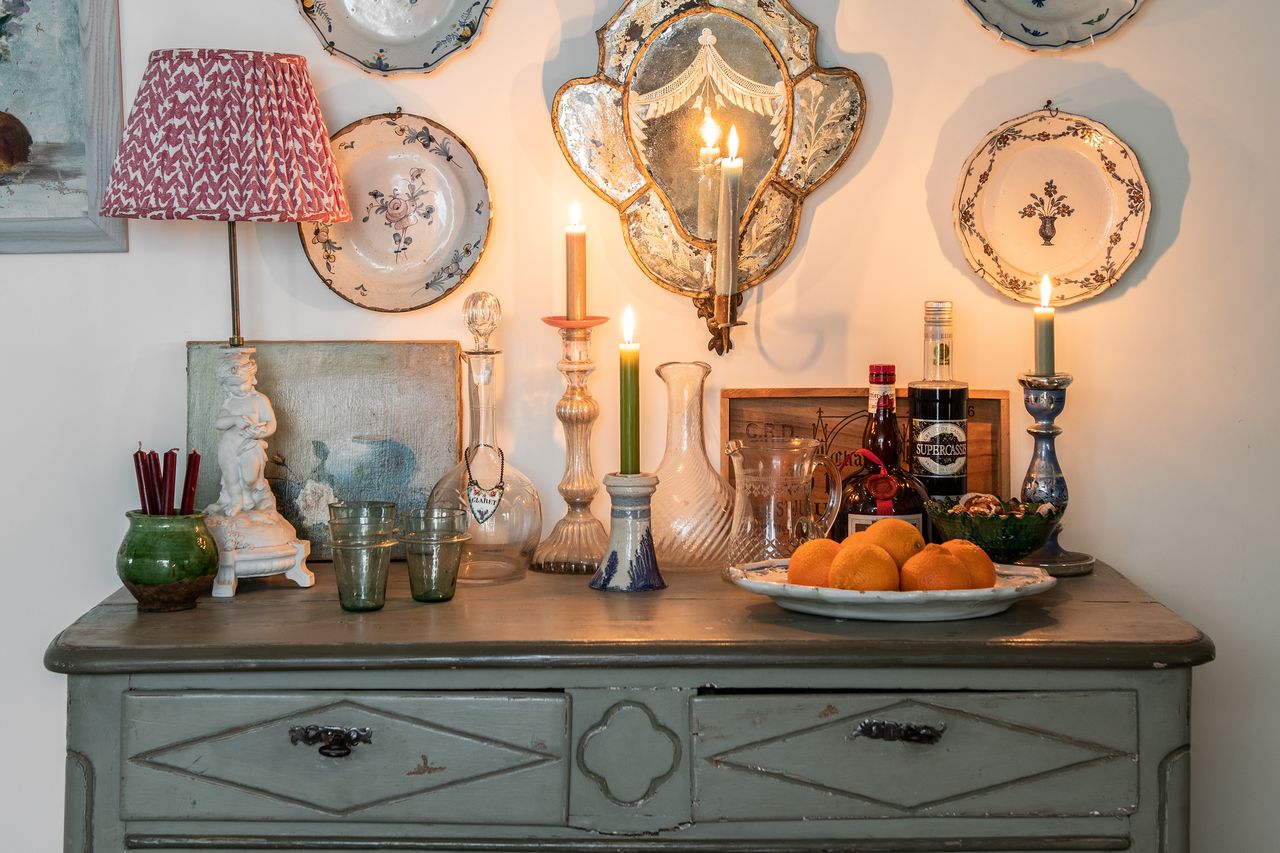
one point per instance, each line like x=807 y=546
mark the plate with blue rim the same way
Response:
x=420 y=214
x=1053 y=24
x=391 y=36
x=944 y=605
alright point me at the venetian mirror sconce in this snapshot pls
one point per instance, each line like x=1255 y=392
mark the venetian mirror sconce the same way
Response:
x=650 y=133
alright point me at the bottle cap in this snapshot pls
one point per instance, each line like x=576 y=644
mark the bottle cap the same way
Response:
x=938 y=313
x=883 y=374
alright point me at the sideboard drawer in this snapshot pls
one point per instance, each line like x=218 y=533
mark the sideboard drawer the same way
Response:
x=438 y=757
x=780 y=757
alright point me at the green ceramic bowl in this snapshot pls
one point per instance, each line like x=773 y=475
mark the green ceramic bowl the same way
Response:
x=1005 y=538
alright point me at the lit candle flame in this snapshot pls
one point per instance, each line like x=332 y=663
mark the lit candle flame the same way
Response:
x=733 y=142
x=575 y=214
x=628 y=325
x=710 y=131
x=1046 y=290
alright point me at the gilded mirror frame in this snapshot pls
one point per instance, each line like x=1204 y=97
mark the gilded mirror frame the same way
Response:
x=591 y=118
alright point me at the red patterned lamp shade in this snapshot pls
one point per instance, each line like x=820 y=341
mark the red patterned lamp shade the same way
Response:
x=232 y=135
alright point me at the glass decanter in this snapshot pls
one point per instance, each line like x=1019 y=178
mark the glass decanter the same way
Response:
x=503 y=510
x=693 y=505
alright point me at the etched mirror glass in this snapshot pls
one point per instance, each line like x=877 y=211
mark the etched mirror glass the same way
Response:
x=698 y=77
x=648 y=131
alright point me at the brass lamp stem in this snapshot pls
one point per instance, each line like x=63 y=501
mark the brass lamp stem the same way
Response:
x=236 y=340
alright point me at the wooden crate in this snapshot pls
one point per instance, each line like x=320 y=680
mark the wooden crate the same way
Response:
x=837 y=416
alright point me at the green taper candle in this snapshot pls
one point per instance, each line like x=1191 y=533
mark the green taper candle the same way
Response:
x=629 y=397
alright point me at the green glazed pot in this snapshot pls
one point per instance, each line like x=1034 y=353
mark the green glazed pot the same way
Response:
x=167 y=561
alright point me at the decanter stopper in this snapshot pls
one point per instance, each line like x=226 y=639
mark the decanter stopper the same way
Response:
x=481 y=311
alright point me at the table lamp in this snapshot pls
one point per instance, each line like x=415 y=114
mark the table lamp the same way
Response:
x=232 y=136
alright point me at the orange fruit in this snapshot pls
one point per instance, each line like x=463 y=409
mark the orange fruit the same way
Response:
x=934 y=568
x=864 y=566
x=900 y=538
x=811 y=562
x=856 y=536
x=982 y=572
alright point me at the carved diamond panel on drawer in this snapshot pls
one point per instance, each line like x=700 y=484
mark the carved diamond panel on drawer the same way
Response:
x=431 y=757
x=797 y=757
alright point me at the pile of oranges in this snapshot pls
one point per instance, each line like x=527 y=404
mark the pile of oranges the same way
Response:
x=891 y=555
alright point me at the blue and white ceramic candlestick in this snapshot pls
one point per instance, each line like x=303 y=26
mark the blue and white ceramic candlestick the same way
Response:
x=629 y=563
x=1045 y=397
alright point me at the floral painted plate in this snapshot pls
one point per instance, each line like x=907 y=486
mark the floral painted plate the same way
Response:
x=387 y=36
x=1052 y=193
x=1012 y=583
x=1053 y=24
x=420 y=214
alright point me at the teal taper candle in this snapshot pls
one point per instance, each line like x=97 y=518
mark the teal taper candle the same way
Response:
x=1044 y=331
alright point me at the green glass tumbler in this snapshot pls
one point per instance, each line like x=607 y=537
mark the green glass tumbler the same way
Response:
x=361 y=572
x=167 y=561
x=433 y=565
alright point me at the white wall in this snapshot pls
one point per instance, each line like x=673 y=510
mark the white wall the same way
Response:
x=1165 y=443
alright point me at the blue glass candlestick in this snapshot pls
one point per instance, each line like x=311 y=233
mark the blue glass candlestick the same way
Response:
x=1045 y=397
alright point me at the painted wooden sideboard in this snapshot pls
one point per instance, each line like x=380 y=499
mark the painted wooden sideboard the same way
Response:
x=545 y=716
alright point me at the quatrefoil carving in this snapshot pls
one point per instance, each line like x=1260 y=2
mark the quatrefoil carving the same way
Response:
x=629 y=754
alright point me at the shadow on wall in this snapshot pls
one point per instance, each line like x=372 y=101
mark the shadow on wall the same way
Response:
x=1094 y=90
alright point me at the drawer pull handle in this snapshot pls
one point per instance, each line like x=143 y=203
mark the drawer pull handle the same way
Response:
x=909 y=732
x=335 y=741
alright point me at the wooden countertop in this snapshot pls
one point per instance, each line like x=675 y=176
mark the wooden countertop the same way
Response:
x=1098 y=621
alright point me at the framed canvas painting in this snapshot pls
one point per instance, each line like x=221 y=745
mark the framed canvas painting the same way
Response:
x=356 y=420
x=60 y=124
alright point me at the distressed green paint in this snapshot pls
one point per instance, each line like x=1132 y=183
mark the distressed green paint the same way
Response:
x=691 y=721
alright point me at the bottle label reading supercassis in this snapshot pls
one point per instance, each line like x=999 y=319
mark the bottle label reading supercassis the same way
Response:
x=939 y=448
x=862 y=522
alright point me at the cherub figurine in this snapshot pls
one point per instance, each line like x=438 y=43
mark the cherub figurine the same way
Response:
x=244 y=422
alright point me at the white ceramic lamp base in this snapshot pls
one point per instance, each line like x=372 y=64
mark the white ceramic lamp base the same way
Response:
x=254 y=539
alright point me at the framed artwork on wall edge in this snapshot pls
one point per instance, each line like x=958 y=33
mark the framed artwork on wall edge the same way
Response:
x=60 y=79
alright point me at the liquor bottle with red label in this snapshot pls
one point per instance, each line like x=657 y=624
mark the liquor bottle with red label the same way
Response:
x=882 y=487
x=939 y=426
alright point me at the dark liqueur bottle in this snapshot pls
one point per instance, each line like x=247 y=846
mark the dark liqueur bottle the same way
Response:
x=882 y=487
x=939 y=426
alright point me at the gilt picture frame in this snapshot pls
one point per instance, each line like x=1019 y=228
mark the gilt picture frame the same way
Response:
x=50 y=203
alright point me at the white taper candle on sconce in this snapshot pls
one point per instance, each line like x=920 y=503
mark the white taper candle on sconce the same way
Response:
x=727 y=232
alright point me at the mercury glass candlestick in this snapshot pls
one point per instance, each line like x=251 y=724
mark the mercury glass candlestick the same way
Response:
x=629 y=564
x=1045 y=397
x=577 y=543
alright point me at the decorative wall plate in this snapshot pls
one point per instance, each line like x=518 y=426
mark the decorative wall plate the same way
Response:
x=420 y=214
x=633 y=131
x=944 y=605
x=388 y=36
x=1053 y=24
x=1052 y=193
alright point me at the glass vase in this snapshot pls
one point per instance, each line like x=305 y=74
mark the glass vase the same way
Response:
x=504 y=513
x=693 y=506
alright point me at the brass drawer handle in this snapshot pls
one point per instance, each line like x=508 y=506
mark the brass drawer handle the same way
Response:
x=909 y=732
x=336 y=741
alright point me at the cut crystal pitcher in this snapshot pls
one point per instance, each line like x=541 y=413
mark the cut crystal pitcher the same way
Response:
x=773 y=508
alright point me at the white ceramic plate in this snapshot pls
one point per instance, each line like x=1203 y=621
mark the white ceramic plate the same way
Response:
x=387 y=36
x=1052 y=193
x=1053 y=24
x=420 y=214
x=1012 y=582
